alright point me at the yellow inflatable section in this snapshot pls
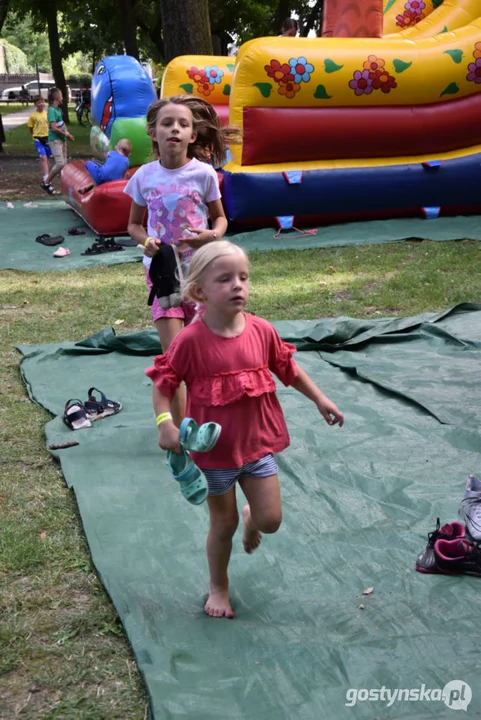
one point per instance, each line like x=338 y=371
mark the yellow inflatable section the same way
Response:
x=205 y=76
x=402 y=14
x=336 y=71
x=451 y=15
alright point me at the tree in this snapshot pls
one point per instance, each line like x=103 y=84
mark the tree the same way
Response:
x=129 y=27
x=4 y=7
x=186 y=28
x=19 y=30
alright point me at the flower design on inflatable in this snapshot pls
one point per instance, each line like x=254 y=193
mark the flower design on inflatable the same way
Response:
x=474 y=68
x=205 y=88
x=413 y=13
x=279 y=72
x=373 y=76
x=196 y=75
x=301 y=69
x=206 y=78
x=289 y=76
x=361 y=83
x=214 y=74
x=288 y=89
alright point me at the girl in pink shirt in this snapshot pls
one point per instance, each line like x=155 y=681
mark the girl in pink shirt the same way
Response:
x=226 y=358
x=180 y=192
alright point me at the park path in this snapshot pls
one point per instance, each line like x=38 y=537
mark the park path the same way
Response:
x=15 y=119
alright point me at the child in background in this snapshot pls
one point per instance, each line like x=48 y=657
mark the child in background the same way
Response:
x=181 y=192
x=57 y=137
x=289 y=28
x=225 y=359
x=38 y=127
x=114 y=168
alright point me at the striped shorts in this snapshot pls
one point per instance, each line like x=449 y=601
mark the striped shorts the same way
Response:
x=221 y=481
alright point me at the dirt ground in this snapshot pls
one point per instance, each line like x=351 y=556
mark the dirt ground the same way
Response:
x=20 y=178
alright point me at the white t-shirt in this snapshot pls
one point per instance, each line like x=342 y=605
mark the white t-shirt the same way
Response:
x=175 y=199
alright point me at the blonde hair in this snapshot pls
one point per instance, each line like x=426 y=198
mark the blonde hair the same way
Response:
x=212 y=140
x=201 y=261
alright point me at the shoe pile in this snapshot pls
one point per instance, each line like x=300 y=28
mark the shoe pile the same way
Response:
x=455 y=548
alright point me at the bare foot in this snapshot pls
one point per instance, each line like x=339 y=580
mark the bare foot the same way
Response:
x=218 y=604
x=252 y=536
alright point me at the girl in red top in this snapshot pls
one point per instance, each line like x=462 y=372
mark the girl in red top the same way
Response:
x=225 y=359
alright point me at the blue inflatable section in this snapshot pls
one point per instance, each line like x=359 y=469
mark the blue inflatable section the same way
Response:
x=258 y=195
x=121 y=88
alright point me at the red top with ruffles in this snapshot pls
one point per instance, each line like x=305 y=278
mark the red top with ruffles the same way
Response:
x=229 y=381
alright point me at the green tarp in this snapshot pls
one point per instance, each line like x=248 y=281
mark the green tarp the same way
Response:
x=358 y=504
x=21 y=225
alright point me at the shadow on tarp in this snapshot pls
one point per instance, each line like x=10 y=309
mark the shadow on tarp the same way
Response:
x=21 y=225
x=358 y=504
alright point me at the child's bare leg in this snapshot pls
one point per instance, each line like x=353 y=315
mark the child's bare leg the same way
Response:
x=263 y=514
x=167 y=329
x=44 y=164
x=224 y=519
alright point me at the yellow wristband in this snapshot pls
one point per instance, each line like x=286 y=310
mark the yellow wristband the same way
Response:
x=163 y=417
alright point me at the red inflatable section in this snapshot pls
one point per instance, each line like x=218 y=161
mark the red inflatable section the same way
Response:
x=106 y=208
x=371 y=132
x=352 y=18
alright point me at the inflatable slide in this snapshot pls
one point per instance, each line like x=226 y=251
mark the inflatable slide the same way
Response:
x=341 y=128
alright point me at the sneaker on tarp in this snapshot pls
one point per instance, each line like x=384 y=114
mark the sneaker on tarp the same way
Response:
x=426 y=562
x=471 y=507
x=456 y=557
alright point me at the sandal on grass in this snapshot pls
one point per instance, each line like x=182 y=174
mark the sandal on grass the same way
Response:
x=104 y=407
x=75 y=415
x=198 y=439
x=192 y=481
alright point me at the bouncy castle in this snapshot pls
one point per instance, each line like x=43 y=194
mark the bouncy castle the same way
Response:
x=378 y=118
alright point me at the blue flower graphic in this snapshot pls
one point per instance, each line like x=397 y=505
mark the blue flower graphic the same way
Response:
x=214 y=74
x=301 y=69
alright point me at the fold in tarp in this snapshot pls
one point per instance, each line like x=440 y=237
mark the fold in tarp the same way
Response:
x=358 y=504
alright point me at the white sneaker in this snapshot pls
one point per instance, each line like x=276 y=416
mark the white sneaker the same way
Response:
x=471 y=507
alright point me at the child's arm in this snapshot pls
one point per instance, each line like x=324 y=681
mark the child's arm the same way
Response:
x=219 y=226
x=168 y=432
x=136 y=229
x=329 y=410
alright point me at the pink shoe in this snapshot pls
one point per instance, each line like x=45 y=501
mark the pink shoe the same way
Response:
x=61 y=252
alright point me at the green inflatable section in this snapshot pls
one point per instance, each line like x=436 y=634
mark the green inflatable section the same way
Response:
x=358 y=504
x=134 y=129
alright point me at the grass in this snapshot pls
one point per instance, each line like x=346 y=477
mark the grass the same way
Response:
x=9 y=108
x=64 y=653
x=18 y=140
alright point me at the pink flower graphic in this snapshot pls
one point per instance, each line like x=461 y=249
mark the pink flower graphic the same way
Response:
x=361 y=83
x=415 y=6
x=474 y=74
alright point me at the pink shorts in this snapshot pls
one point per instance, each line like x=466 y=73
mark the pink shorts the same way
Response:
x=186 y=310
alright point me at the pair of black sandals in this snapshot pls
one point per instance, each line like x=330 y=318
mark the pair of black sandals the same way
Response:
x=103 y=245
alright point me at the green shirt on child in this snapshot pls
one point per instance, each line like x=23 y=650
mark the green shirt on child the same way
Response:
x=54 y=114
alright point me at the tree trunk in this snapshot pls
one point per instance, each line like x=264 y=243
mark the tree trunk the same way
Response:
x=55 y=53
x=282 y=13
x=186 y=27
x=129 y=28
x=3 y=12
